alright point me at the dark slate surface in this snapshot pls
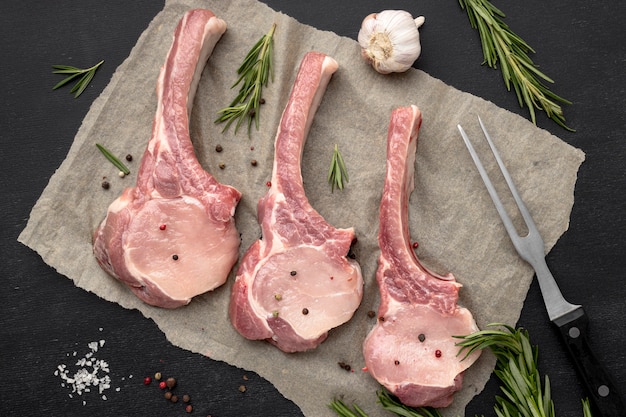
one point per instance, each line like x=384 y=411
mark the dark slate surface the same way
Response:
x=44 y=317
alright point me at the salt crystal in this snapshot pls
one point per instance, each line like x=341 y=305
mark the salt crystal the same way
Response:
x=91 y=372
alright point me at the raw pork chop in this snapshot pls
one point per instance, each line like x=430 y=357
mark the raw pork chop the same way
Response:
x=173 y=235
x=411 y=350
x=296 y=283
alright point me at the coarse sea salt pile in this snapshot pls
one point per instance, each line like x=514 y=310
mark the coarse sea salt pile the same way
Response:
x=88 y=373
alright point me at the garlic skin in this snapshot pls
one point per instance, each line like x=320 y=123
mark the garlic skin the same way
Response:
x=390 y=40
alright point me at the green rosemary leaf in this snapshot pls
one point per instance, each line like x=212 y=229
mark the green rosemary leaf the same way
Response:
x=586 y=408
x=502 y=46
x=393 y=405
x=337 y=173
x=113 y=159
x=344 y=410
x=253 y=74
x=66 y=80
x=84 y=77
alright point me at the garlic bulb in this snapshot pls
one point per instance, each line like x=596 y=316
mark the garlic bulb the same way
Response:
x=390 y=40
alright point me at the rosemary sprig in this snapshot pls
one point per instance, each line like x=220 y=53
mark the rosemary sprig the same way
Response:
x=337 y=173
x=86 y=75
x=501 y=44
x=343 y=410
x=113 y=159
x=254 y=74
x=516 y=367
x=387 y=402
x=392 y=404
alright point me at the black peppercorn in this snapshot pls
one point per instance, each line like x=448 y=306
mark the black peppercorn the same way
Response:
x=421 y=337
x=253 y=162
x=219 y=148
x=129 y=157
x=174 y=257
x=305 y=311
x=344 y=366
x=105 y=185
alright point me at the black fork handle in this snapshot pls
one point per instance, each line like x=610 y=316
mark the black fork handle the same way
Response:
x=602 y=389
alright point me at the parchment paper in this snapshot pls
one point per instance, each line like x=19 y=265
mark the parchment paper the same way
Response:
x=451 y=214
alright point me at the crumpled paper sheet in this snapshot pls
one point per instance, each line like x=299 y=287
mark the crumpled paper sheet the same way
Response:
x=451 y=214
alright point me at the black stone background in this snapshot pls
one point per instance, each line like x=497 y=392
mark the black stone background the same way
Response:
x=43 y=316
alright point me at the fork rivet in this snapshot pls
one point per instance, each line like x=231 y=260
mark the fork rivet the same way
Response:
x=574 y=332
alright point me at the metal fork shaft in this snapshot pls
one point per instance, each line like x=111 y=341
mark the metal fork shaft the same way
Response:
x=529 y=247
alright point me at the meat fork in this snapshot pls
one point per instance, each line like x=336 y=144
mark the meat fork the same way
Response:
x=570 y=319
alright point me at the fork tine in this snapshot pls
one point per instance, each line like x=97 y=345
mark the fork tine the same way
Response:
x=505 y=172
x=506 y=220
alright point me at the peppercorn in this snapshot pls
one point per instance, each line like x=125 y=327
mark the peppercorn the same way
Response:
x=189 y=408
x=242 y=388
x=305 y=311
x=186 y=398
x=293 y=273
x=157 y=376
x=253 y=162
x=121 y=174
x=171 y=382
x=269 y=183
x=161 y=227
x=162 y=385
x=344 y=366
x=168 y=395
x=278 y=297
x=261 y=101
x=222 y=165
x=371 y=314
x=438 y=353
x=415 y=245
x=421 y=337
x=219 y=148
x=147 y=380
x=106 y=185
x=174 y=398
x=129 y=157
x=174 y=257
